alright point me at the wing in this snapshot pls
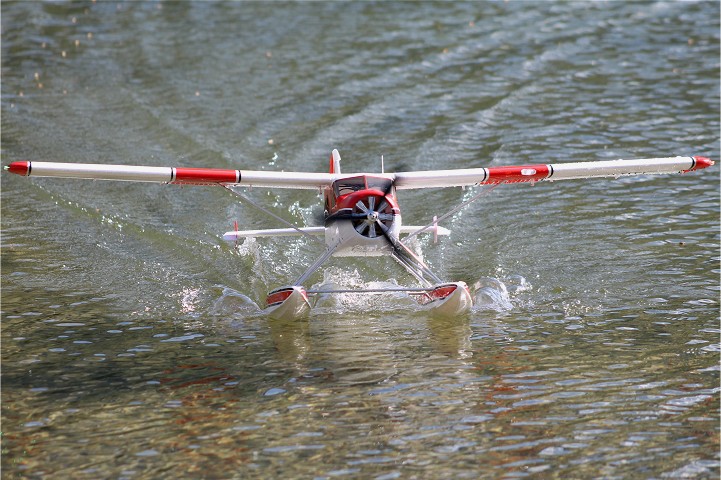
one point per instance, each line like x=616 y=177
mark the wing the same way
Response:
x=403 y=180
x=550 y=172
x=175 y=175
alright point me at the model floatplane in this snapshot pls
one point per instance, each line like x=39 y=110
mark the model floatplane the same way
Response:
x=362 y=214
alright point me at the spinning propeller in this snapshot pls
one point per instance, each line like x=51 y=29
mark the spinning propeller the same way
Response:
x=366 y=217
x=372 y=216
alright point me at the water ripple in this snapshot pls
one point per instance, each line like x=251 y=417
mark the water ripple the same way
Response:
x=133 y=334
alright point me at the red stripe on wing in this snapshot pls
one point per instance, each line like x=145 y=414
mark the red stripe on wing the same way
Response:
x=205 y=176
x=517 y=174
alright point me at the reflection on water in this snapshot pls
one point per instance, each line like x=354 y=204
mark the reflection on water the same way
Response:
x=523 y=393
x=133 y=344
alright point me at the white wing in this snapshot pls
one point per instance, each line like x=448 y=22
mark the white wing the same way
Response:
x=179 y=175
x=403 y=180
x=551 y=172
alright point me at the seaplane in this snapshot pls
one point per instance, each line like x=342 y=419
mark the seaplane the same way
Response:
x=362 y=215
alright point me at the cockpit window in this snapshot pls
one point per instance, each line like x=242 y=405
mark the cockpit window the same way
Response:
x=349 y=185
x=382 y=184
x=345 y=186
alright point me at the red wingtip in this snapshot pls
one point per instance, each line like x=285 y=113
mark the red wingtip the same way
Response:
x=19 y=168
x=702 y=162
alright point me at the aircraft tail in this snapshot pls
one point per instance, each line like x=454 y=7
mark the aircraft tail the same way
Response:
x=335 y=161
x=272 y=232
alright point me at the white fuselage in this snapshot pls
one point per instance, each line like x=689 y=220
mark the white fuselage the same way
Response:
x=349 y=243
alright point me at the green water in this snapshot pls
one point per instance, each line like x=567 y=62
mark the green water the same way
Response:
x=132 y=344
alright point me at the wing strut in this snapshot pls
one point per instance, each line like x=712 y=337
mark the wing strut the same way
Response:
x=316 y=265
x=407 y=258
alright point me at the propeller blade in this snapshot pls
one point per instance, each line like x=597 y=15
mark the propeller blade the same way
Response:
x=347 y=216
x=361 y=206
x=372 y=204
x=372 y=233
x=361 y=227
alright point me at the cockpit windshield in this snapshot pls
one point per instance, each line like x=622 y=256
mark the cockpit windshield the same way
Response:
x=345 y=186
x=349 y=185
x=377 y=183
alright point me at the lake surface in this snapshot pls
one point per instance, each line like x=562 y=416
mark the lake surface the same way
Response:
x=132 y=343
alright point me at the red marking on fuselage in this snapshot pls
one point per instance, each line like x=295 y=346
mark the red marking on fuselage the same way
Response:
x=335 y=202
x=350 y=200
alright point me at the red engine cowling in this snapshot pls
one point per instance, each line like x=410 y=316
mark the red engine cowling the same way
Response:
x=377 y=207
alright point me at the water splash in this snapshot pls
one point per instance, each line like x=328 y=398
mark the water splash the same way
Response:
x=189 y=299
x=232 y=303
x=495 y=294
x=336 y=278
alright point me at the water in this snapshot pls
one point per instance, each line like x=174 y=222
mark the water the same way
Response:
x=132 y=344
